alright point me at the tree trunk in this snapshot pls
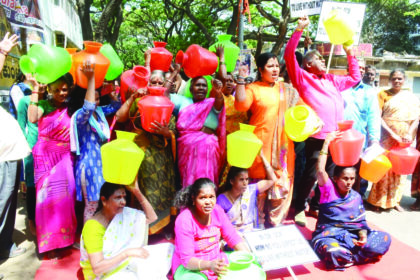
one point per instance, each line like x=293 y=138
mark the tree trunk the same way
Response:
x=83 y=9
x=110 y=10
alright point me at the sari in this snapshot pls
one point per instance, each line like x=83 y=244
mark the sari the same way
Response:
x=156 y=176
x=339 y=222
x=399 y=112
x=415 y=180
x=243 y=212
x=200 y=154
x=128 y=230
x=54 y=182
x=267 y=106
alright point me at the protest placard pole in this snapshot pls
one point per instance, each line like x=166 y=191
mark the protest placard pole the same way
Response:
x=241 y=26
x=329 y=59
x=292 y=273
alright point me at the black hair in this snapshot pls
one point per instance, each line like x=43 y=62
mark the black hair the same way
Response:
x=338 y=170
x=106 y=191
x=233 y=172
x=20 y=77
x=185 y=197
x=66 y=78
x=76 y=99
x=370 y=66
x=299 y=58
x=395 y=71
x=262 y=61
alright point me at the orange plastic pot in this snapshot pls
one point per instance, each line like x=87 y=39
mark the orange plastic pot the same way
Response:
x=404 y=159
x=376 y=169
x=346 y=150
x=91 y=53
x=132 y=80
x=72 y=71
x=155 y=107
x=160 y=58
x=197 y=61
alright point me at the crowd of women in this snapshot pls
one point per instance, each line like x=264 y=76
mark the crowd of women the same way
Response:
x=65 y=125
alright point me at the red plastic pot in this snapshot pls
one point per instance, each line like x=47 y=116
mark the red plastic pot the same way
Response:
x=160 y=58
x=346 y=150
x=197 y=61
x=404 y=159
x=91 y=53
x=155 y=107
x=132 y=80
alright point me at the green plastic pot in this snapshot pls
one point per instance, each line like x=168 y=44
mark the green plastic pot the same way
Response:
x=231 y=51
x=116 y=67
x=46 y=63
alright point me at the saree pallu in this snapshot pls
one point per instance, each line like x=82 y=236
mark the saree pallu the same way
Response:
x=128 y=230
x=283 y=162
x=399 y=112
x=54 y=182
x=339 y=222
x=200 y=155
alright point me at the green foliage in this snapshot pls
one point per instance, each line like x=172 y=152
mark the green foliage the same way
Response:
x=181 y=23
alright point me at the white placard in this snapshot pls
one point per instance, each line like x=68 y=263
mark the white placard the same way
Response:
x=280 y=247
x=300 y=8
x=355 y=12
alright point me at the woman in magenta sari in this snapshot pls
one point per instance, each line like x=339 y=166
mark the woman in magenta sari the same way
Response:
x=54 y=179
x=202 y=131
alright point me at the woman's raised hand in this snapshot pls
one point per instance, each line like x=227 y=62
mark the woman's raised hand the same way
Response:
x=8 y=42
x=243 y=71
x=217 y=84
x=34 y=83
x=218 y=266
x=88 y=69
x=137 y=253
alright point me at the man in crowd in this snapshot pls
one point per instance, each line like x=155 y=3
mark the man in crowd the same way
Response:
x=322 y=92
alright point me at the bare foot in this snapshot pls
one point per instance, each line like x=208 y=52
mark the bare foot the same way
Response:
x=399 y=208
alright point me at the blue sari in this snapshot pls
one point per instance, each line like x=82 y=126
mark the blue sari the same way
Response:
x=339 y=222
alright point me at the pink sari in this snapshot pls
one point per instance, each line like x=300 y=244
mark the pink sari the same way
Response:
x=54 y=182
x=200 y=154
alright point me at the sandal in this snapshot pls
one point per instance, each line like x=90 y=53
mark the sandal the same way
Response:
x=15 y=251
x=399 y=208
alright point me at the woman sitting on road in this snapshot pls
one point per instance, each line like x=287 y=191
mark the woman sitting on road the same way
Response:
x=112 y=242
x=342 y=237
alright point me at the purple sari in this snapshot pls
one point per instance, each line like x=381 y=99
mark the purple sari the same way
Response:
x=54 y=182
x=339 y=222
x=200 y=154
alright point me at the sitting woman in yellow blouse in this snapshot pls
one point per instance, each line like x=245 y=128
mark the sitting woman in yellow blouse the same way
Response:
x=112 y=242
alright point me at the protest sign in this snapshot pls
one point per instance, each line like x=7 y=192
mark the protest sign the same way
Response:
x=300 y=8
x=280 y=247
x=353 y=12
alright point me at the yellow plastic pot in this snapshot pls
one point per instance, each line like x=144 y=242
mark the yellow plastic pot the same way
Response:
x=376 y=169
x=121 y=159
x=300 y=122
x=243 y=146
x=338 y=28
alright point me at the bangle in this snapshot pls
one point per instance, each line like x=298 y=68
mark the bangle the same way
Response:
x=35 y=92
x=323 y=153
x=222 y=62
x=240 y=77
x=298 y=29
x=240 y=83
x=33 y=103
x=3 y=52
x=199 y=268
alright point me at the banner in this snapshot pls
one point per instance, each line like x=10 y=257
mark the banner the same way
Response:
x=300 y=8
x=23 y=12
x=11 y=65
x=354 y=13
